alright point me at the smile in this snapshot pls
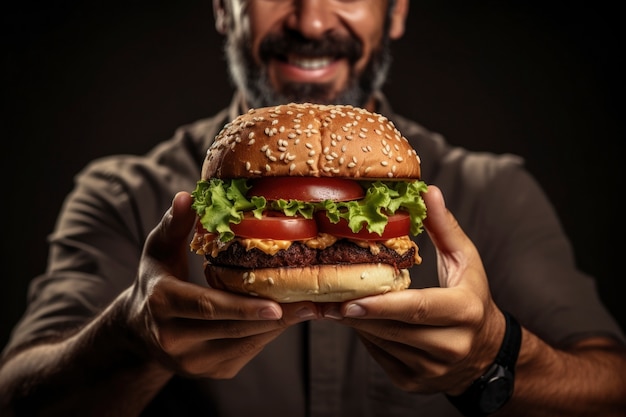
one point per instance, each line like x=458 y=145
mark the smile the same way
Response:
x=310 y=63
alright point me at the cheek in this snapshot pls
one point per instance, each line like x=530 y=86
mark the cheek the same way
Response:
x=367 y=25
x=261 y=22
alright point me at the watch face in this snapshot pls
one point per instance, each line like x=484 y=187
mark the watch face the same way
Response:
x=496 y=391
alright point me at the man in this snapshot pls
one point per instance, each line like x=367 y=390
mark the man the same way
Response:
x=123 y=324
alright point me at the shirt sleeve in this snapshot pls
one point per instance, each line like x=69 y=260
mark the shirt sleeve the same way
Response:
x=95 y=248
x=529 y=259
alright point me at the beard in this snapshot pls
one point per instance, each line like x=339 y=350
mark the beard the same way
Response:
x=254 y=80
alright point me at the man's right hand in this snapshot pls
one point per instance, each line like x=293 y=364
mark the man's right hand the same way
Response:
x=160 y=326
x=197 y=330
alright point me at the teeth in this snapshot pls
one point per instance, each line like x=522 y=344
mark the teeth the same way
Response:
x=310 y=63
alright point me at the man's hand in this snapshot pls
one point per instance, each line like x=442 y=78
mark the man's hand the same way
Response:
x=196 y=330
x=433 y=339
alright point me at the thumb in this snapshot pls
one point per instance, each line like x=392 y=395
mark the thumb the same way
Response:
x=440 y=223
x=169 y=240
x=456 y=254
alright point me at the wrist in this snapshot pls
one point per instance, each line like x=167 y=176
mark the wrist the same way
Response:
x=494 y=388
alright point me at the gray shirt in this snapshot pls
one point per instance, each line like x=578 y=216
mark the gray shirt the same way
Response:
x=316 y=368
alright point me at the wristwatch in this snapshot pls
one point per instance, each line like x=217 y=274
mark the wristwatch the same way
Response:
x=491 y=391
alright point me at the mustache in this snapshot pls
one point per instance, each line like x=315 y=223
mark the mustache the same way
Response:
x=289 y=42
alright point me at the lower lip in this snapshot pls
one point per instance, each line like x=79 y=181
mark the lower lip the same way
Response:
x=290 y=72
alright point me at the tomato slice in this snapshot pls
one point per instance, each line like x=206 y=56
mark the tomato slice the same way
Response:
x=399 y=224
x=274 y=225
x=306 y=188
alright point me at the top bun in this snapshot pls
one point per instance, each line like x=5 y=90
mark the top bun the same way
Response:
x=311 y=140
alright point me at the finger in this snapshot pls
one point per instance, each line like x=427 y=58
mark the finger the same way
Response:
x=411 y=369
x=223 y=359
x=173 y=298
x=176 y=333
x=171 y=236
x=447 y=344
x=458 y=261
x=426 y=306
x=175 y=336
x=441 y=225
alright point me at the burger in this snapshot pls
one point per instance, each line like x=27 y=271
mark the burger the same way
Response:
x=309 y=202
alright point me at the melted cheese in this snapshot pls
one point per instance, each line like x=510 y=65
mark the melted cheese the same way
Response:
x=399 y=244
x=322 y=241
x=269 y=246
x=207 y=243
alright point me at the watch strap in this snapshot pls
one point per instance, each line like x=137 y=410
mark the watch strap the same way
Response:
x=511 y=343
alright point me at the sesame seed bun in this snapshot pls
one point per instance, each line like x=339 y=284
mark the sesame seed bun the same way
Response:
x=320 y=283
x=311 y=140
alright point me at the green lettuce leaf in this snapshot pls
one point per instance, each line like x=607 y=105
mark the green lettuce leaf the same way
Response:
x=220 y=203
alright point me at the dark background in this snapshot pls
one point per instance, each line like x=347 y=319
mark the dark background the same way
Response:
x=92 y=78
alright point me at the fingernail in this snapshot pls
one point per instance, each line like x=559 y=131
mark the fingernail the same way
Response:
x=269 y=313
x=333 y=313
x=355 y=310
x=305 y=313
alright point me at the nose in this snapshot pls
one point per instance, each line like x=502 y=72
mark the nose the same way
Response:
x=312 y=18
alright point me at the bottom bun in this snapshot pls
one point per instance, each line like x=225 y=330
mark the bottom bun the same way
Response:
x=319 y=283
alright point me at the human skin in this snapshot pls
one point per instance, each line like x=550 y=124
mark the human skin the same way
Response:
x=431 y=340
